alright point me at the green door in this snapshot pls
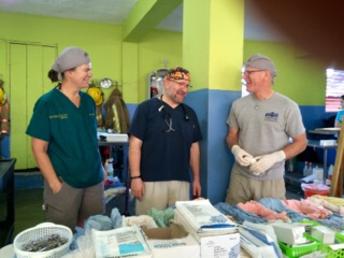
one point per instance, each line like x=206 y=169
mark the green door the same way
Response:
x=4 y=63
x=29 y=66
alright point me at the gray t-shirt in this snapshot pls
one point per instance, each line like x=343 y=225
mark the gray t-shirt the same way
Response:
x=265 y=127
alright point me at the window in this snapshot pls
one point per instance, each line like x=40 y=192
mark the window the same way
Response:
x=244 y=91
x=334 y=89
x=155 y=82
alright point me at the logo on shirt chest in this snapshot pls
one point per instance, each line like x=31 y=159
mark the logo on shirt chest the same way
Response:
x=58 y=116
x=271 y=116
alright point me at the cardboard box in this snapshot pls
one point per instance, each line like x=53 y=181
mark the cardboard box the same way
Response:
x=289 y=233
x=214 y=245
x=220 y=246
x=172 y=242
x=323 y=234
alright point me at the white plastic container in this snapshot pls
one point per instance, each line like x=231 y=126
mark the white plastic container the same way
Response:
x=305 y=169
x=318 y=175
x=40 y=231
x=109 y=167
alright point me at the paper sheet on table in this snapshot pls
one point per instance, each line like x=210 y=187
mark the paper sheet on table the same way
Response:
x=125 y=241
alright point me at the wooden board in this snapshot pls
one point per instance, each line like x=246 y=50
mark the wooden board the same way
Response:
x=337 y=177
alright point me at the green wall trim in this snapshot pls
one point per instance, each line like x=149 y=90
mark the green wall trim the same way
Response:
x=145 y=15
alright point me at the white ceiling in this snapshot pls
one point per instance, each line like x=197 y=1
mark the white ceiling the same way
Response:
x=115 y=11
x=109 y=11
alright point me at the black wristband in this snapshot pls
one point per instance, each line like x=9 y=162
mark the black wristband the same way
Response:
x=134 y=177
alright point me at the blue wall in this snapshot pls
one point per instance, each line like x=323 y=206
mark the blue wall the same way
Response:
x=315 y=116
x=5 y=147
x=131 y=110
x=199 y=102
x=212 y=108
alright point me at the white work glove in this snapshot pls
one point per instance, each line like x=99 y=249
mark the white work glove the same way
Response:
x=263 y=163
x=241 y=156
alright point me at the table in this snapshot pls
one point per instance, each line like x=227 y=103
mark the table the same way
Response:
x=106 y=139
x=112 y=139
x=326 y=131
x=8 y=252
x=7 y=188
x=320 y=144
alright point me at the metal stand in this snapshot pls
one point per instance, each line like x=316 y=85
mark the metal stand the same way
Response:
x=7 y=187
x=316 y=145
x=125 y=171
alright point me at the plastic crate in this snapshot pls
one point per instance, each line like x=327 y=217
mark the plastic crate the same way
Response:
x=309 y=222
x=298 y=250
x=328 y=250
x=339 y=237
x=332 y=253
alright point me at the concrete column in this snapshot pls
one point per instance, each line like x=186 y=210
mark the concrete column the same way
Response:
x=213 y=39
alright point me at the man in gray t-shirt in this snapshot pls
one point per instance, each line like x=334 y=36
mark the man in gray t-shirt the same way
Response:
x=265 y=129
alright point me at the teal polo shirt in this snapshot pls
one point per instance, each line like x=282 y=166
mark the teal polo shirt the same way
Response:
x=72 y=136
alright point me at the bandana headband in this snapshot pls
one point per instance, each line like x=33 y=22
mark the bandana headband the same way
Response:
x=178 y=73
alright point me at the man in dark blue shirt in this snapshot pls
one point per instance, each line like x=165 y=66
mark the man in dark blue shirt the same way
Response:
x=164 y=145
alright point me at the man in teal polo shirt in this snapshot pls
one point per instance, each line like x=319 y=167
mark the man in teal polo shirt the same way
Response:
x=63 y=128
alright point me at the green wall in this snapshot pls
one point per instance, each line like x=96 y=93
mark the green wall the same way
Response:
x=299 y=75
x=102 y=41
x=157 y=49
x=111 y=57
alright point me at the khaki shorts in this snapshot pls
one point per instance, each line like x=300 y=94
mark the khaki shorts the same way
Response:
x=72 y=206
x=243 y=189
x=160 y=195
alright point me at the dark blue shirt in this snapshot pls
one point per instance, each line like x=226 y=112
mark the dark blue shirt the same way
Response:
x=167 y=135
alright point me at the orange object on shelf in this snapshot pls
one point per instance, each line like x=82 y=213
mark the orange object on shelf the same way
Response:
x=312 y=189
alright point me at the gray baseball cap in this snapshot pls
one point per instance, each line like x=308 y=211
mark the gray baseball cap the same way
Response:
x=69 y=58
x=261 y=62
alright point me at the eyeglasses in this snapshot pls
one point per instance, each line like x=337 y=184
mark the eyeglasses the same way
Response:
x=187 y=85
